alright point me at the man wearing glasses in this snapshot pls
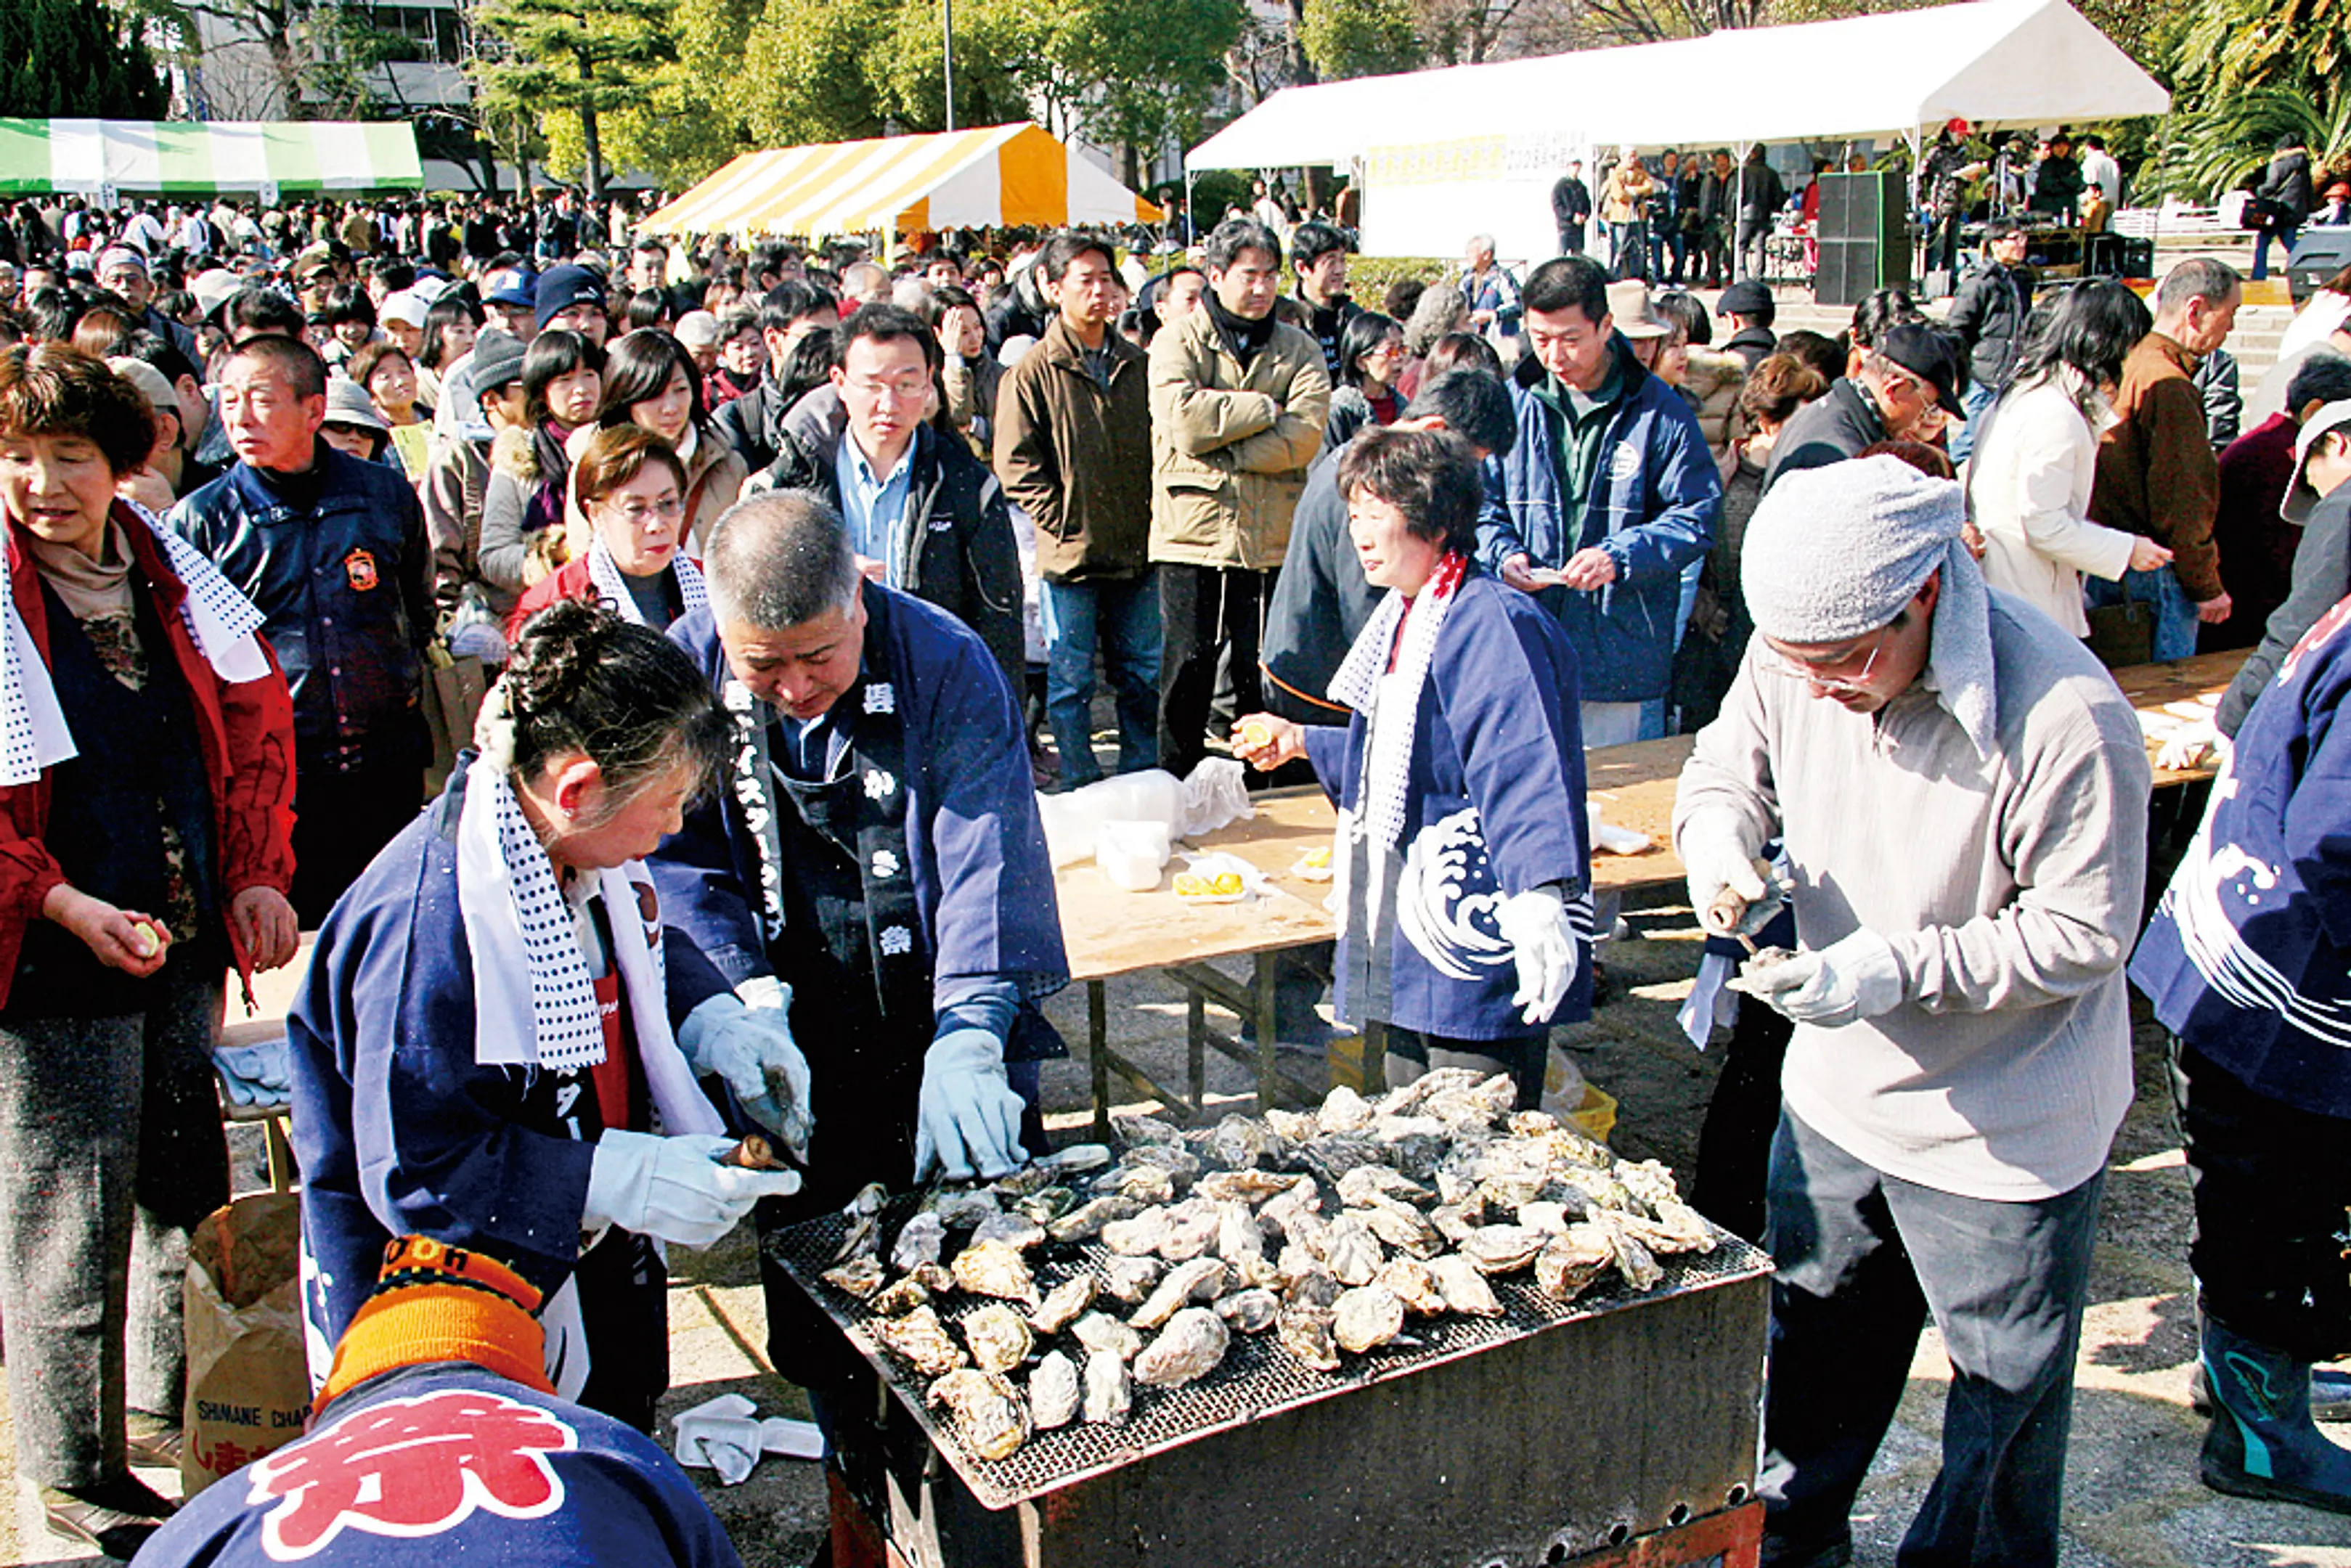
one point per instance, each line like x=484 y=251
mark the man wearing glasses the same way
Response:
x=1909 y=383
x=924 y=515
x=1962 y=793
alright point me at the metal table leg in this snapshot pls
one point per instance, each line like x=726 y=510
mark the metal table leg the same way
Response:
x=1262 y=981
x=1097 y=1055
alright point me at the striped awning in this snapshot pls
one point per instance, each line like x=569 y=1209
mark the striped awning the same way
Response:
x=142 y=155
x=996 y=174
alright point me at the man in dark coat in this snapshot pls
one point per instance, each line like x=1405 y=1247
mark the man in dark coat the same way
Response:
x=1571 y=208
x=2285 y=193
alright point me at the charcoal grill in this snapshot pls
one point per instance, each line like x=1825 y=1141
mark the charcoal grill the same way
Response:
x=1552 y=1430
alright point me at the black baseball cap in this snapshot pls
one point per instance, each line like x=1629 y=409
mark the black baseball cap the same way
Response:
x=1933 y=356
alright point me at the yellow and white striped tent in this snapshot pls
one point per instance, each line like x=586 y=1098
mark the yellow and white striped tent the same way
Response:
x=995 y=174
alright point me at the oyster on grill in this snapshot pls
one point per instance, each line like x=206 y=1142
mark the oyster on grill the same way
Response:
x=921 y=1338
x=1251 y=1185
x=1569 y=1262
x=1182 y=1166
x=1550 y=1218
x=898 y=1298
x=993 y=1268
x=1144 y=1184
x=1133 y=1131
x=998 y=1339
x=861 y=1223
x=1333 y=1154
x=1465 y=1290
x=1202 y=1279
x=1251 y=1311
x=1238 y=1141
x=920 y=1240
x=1414 y=1285
x=1015 y=1230
x=1101 y=1333
x=1191 y=1347
x=1128 y=1279
x=1502 y=1248
x=1062 y=1305
x=1369 y=1184
x=1297 y=1127
x=1192 y=1228
x=1305 y=1333
x=1344 y=1111
x=1314 y=1286
x=961 y=1208
x=990 y=1417
x=860 y=1276
x=1047 y=1204
x=1352 y=1250
x=1458 y=1222
x=1366 y=1318
x=1084 y=1222
x=936 y=1277
x=1635 y=1261
x=1239 y=1237
x=1138 y=1236
x=1110 y=1390
x=1055 y=1392
x=1077 y=1158
x=1678 y=1227
x=1408 y=1099
x=1400 y=1226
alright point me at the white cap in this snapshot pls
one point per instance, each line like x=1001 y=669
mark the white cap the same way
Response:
x=404 y=307
x=697 y=329
x=2299 y=495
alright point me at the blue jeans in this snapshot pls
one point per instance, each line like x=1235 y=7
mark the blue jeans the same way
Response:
x=1862 y=1259
x=1974 y=404
x=2174 y=613
x=2262 y=249
x=1121 y=616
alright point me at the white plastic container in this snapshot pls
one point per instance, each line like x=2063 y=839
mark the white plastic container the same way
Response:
x=1131 y=854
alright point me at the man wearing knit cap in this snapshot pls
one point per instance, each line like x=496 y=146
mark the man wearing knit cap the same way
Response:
x=1962 y=793
x=437 y=1438
x=571 y=298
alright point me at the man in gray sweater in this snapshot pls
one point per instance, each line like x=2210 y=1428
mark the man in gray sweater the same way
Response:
x=1963 y=792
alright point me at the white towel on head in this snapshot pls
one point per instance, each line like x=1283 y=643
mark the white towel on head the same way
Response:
x=1834 y=553
x=534 y=1000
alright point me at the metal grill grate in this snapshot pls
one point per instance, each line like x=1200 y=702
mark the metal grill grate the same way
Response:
x=1257 y=1378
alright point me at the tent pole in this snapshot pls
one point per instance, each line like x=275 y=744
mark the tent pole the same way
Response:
x=1738 y=209
x=947 y=60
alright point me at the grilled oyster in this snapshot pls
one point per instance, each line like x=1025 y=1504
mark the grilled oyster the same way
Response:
x=1202 y=1279
x=1296 y=1126
x=1333 y=1154
x=1414 y=1285
x=1312 y=1286
x=1128 y=1279
x=1063 y=1303
x=1192 y=1228
x=960 y=1209
x=993 y=1268
x=1550 y=1218
x=998 y=1339
x=1017 y=1231
x=1239 y=1237
x=1100 y=1332
x=1135 y=1132
x=1634 y=1261
x=1110 y=1391
x=1144 y=1184
x=1570 y=1262
x=1047 y=1204
x=1598 y=1190
x=1305 y=1333
x=936 y=1277
x=921 y=1338
x=1352 y=1250
x=1055 y=1392
x=1502 y=1248
x=1649 y=1181
x=1344 y=1111
x=1400 y=1226
x=1075 y=1159
x=1251 y=1185
x=1021 y=1183
x=861 y=1276
x=861 y=1223
x=1190 y=1347
x=1084 y=1222
x=1465 y=1290
x=920 y=1240
x=1251 y=1311
x=1458 y=1222
x=1370 y=1184
x=899 y=1299
x=1529 y=1123
x=1301 y=1222
x=1366 y=1318
x=1678 y=1227
x=1407 y=1100
x=990 y=1417
x=1138 y=1236
x=1182 y=1166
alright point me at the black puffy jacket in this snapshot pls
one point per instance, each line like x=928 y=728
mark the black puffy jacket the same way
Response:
x=344 y=585
x=1988 y=313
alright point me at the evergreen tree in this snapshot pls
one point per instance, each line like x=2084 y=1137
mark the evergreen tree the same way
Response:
x=581 y=57
x=77 y=58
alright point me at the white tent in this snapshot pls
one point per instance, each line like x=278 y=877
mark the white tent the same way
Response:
x=1447 y=152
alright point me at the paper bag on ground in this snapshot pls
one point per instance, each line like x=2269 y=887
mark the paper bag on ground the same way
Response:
x=248 y=1391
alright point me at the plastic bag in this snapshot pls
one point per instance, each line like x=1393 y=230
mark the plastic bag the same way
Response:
x=1073 y=822
x=1131 y=854
x=1215 y=793
x=248 y=1389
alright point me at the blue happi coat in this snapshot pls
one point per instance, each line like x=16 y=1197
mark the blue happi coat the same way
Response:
x=983 y=880
x=397 y=1129
x=1495 y=807
x=2249 y=955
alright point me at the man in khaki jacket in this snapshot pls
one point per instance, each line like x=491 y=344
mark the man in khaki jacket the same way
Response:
x=1238 y=405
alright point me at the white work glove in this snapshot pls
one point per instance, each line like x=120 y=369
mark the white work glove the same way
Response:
x=675 y=1188
x=1857 y=977
x=1721 y=865
x=254 y=1074
x=969 y=1119
x=1543 y=945
x=752 y=1048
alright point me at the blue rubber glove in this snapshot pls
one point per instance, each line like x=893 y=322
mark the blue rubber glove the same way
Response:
x=752 y=1048
x=254 y=1074
x=968 y=1118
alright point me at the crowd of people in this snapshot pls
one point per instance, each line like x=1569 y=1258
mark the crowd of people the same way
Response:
x=793 y=569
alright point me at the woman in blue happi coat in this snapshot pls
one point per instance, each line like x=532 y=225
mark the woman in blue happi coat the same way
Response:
x=500 y=1044
x=1461 y=865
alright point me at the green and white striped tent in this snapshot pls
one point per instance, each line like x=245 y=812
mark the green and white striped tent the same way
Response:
x=96 y=156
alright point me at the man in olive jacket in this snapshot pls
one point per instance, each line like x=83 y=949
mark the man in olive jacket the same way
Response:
x=1238 y=404
x=1074 y=451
